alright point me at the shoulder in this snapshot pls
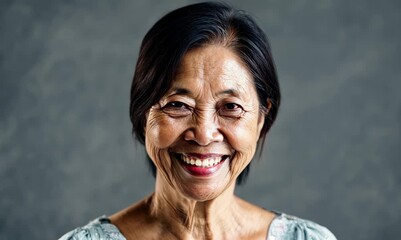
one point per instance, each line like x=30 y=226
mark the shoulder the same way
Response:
x=100 y=228
x=289 y=227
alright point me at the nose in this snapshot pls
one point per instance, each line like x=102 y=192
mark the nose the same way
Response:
x=204 y=130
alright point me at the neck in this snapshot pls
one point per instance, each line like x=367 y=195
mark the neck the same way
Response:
x=168 y=214
x=197 y=219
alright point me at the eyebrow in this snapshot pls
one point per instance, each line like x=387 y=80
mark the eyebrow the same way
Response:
x=180 y=91
x=232 y=92
x=184 y=91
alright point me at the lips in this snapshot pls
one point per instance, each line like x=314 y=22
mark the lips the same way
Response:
x=201 y=164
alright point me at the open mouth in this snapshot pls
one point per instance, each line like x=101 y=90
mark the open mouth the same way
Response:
x=204 y=163
x=201 y=165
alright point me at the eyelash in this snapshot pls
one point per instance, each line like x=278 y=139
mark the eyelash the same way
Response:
x=176 y=109
x=180 y=109
x=231 y=109
x=171 y=104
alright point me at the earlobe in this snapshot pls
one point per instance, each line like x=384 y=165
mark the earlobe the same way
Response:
x=269 y=105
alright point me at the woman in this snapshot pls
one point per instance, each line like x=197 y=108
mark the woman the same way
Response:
x=203 y=97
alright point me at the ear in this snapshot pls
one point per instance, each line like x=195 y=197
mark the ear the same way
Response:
x=262 y=116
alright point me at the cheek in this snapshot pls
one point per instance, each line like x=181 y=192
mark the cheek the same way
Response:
x=243 y=137
x=161 y=131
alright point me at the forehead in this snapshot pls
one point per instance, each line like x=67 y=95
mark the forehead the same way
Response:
x=213 y=66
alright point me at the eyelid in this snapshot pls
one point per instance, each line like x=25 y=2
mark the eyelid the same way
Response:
x=176 y=111
x=170 y=104
x=174 y=102
x=236 y=104
x=230 y=101
x=177 y=98
x=236 y=112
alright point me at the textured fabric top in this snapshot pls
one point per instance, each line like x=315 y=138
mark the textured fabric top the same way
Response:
x=287 y=227
x=283 y=227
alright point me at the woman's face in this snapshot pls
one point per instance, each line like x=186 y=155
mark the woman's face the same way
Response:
x=204 y=131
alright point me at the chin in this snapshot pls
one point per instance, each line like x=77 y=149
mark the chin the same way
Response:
x=202 y=193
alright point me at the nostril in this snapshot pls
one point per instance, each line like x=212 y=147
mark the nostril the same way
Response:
x=189 y=135
x=203 y=134
x=192 y=142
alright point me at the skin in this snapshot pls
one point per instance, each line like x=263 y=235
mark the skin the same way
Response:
x=211 y=108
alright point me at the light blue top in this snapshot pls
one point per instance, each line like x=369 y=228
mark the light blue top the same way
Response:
x=283 y=227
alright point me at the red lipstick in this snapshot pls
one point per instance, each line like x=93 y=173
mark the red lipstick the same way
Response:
x=194 y=163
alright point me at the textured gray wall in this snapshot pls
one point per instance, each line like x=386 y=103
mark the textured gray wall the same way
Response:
x=67 y=156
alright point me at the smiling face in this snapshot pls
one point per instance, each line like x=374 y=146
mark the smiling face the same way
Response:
x=204 y=131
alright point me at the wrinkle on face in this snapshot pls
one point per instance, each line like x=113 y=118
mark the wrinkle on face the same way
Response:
x=207 y=78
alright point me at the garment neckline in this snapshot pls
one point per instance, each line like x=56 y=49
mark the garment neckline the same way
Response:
x=278 y=215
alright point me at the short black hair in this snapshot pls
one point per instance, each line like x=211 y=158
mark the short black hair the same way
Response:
x=194 y=26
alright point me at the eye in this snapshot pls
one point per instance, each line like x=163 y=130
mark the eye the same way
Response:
x=231 y=106
x=175 y=104
x=231 y=110
x=176 y=109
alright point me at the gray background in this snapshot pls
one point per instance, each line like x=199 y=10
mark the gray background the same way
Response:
x=67 y=156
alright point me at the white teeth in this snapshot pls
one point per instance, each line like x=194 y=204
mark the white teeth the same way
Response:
x=209 y=162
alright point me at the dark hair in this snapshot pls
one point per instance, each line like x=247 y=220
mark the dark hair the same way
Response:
x=194 y=26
